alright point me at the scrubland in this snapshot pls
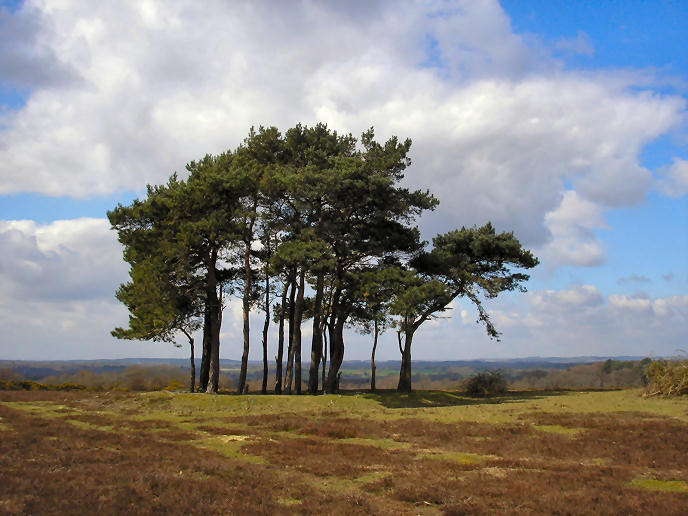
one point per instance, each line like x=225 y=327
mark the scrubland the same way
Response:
x=428 y=452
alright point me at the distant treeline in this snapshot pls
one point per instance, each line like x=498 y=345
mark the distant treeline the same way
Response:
x=355 y=375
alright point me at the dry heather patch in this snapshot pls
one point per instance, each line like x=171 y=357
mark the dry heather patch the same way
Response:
x=327 y=458
x=163 y=455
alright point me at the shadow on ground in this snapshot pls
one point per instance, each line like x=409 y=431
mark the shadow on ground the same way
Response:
x=428 y=399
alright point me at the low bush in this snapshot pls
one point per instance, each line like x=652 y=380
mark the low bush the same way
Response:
x=30 y=385
x=667 y=378
x=486 y=383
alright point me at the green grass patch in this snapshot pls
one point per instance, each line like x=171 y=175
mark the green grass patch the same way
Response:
x=386 y=444
x=289 y=501
x=230 y=446
x=558 y=429
x=343 y=485
x=651 y=484
x=42 y=408
x=90 y=426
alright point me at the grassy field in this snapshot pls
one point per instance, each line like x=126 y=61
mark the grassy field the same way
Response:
x=430 y=452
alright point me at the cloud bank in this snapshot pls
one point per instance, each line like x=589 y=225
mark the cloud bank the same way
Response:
x=123 y=94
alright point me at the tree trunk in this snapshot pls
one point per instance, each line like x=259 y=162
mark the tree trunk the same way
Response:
x=246 y=312
x=405 y=372
x=289 y=376
x=324 y=357
x=336 y=354
x=215 y=309
x=280 y=343
x=192 y=380
x=372 y=357
x=316 y=343
x=205 y=357
x=266 y=327
x=298 y=317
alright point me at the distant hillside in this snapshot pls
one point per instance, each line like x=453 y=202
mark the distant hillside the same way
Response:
x=157 y=373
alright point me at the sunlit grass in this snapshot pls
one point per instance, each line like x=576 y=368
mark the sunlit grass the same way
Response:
x=386 y=444
x=558 y=429
x=651 y=484
x=230 y=446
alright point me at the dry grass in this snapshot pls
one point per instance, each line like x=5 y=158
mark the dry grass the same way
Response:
x=427 y=453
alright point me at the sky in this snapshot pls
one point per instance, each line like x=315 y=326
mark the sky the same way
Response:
x=565 y=122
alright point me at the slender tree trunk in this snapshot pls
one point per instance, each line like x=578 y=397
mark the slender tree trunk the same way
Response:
x=280 y=342
x=205 y=358
x=316 y=343
x=215 y=313
x=246 y=312
x=324 y=357
x=290 y=354
x=336 y=328
x=298 y=317
x=405 y=372
x=192 y=380
x=266 y=327
x=372 y=357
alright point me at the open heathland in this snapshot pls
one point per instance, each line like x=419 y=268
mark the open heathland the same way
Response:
x=427 y=452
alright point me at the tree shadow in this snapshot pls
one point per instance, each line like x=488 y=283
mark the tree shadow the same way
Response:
x=431 y=399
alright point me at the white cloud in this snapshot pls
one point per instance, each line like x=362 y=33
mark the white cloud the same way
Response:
x=498 y=127
x=581 y=44
x=673 y=182
x=576 y=298
x=123 y=94
x=71 y=260
x=630 y=304
x=576 y=321
x=573 y=225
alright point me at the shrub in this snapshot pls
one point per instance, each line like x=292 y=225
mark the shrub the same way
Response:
x=668 y=378
x=486 y=383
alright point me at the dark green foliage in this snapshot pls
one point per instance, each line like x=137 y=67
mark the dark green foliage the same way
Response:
x=331 y=218
x=486 y=383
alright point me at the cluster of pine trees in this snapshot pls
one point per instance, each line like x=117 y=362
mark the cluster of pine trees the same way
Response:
x=309 y=225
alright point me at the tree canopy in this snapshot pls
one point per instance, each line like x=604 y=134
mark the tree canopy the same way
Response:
x=318 y=220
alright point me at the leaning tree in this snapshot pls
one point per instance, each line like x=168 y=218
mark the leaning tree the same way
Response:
x=470 y=262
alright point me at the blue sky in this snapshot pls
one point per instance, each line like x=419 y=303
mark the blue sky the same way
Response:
x=565 y=122
x=653 y=235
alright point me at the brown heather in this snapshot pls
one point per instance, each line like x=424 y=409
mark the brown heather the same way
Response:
x=122 y=453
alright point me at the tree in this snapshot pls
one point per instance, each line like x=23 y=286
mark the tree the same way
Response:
x=374 y=291
x=367 y=218
x=160 y=305
x=188 y=224
x=253 y=161
x=463 y=263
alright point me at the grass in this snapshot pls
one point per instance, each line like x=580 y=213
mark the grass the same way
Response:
x=558 y=429
x=429 y=452
x=652 y=484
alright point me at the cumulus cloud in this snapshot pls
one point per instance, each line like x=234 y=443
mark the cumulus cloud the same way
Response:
x=123 y=94
x=577 y=321
x=498 y=127
x=66 y=260
x=27 y=59
x=673 y=180
x=57 y=285
x=573 y=225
